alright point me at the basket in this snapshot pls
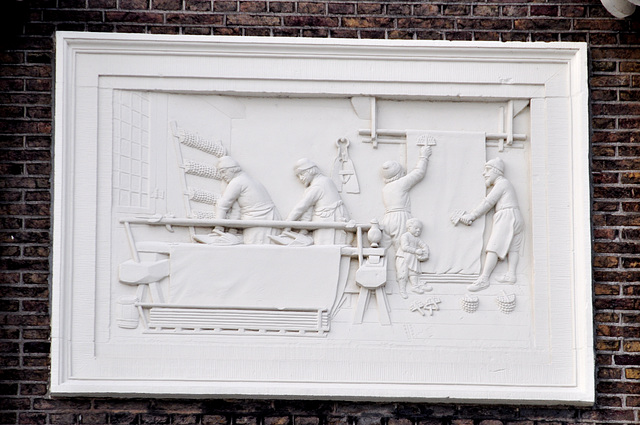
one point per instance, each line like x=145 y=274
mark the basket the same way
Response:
x=506 y=303
x=470 y=303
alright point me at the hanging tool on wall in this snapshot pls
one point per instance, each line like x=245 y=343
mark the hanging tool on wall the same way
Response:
x=343 y=172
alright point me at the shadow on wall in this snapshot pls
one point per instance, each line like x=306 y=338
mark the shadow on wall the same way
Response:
x=12 y=19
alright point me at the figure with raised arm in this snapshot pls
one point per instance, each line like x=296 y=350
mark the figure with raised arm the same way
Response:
x=395 y=194
x=507 y=233
x=411 y=251
x=252 y=198
x=320 y=202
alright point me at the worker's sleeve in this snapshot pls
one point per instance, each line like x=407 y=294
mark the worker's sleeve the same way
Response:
x=309 y=199
x=416 y=175
x=405 y=243
x=230 y=195
x=490 y=201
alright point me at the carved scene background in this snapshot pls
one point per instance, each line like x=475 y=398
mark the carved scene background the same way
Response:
x=26 y=98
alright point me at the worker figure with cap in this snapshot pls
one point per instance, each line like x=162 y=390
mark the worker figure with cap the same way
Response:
x=395 y=194
x=320 y=202
x=252 y=198
x=507 y=233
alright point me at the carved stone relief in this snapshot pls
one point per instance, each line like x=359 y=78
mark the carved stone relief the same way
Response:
x=317 y=228
x=223 y=259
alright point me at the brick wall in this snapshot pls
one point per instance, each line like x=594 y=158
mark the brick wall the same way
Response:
x=26 y=67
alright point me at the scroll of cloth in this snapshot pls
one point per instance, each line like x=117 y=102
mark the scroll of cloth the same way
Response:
x=254 y=276
x=453 y=182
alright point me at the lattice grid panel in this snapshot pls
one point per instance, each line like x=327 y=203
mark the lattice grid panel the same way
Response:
x=131 y=156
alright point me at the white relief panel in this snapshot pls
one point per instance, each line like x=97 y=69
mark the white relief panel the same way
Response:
x=278 y=218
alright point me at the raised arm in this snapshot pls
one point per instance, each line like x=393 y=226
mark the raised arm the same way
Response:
x=417 y=174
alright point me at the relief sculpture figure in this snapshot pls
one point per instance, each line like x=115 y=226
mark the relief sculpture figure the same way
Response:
x=252 y=198
x=507 y=233
x=395 y=194
x=411 y=251
x=320 y=202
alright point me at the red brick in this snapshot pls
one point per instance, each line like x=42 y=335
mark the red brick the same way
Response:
x=610 y=81
x=456 y=9
x=72 y=4
x=197 y=5
x=396 y=9
x=599 y=24
x=542 y=24
x=608 y=415
x=515 y=11
x=426 y=10
x=184 y=419
x=374 y=34
x=486 y=36
x=277 y=420
x=257 y=32
x=484 y=24
x=102 y=4
x=313 y=8
x=633 y=401
x=63 y=418
x=367 y=22
x=253 y=6
x=609 y=401
x=75 y=16
x=543 y=10
x=609 y=373
x=166 y=4
x=426 y=23
x=95 y=418
x=215 y=420
x=486 y=10
x=252 y=20
x=514 y=36
x=572 y=11
x=32 y=418
x=310 y=21
x=194 y=19
x=281 y=6
x=603 y=38
x=155 y=419
x=225 y=6
x=341 y=8
x=137 y=17
x=306 y=420
x=315 y=32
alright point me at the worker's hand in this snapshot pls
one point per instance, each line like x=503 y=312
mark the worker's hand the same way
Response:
x=467 y=219
x=425 y=151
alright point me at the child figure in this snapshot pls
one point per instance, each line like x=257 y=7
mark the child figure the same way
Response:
x=411 y=252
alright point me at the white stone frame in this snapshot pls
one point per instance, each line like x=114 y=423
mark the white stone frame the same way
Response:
x=552 y=76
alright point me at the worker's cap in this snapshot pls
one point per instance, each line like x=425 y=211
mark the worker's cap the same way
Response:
x=391 y=169
x=227 y=162
x=497 y=164
x=303 y=164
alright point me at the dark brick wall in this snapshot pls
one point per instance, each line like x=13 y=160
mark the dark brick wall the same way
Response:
x=26 y=67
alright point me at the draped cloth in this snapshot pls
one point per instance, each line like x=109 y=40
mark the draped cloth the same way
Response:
x=453 y=182
x=254 y=276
